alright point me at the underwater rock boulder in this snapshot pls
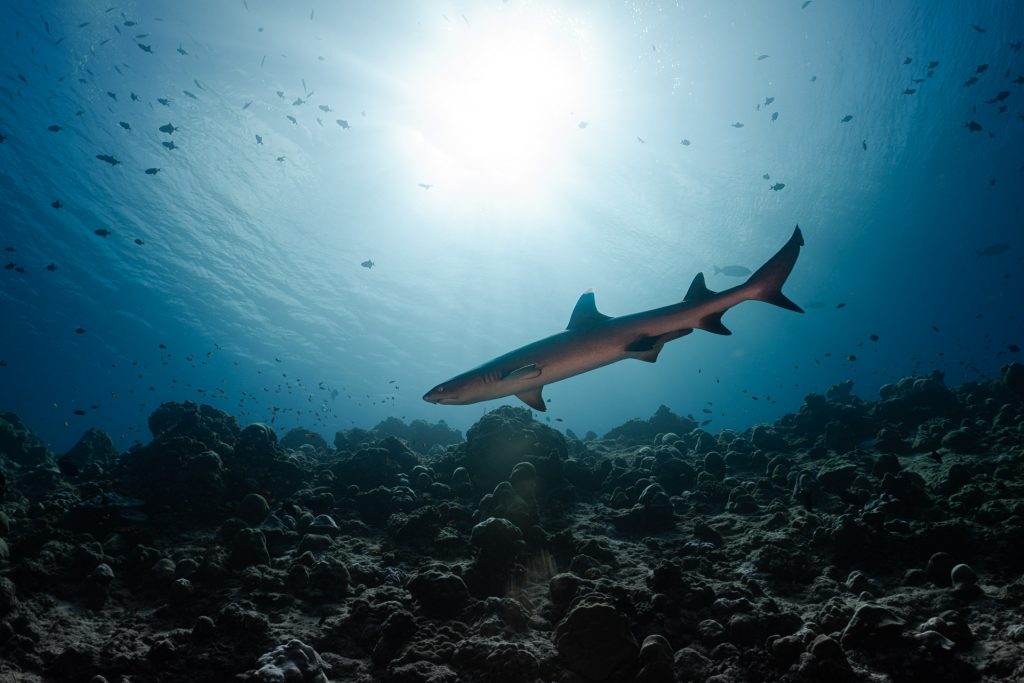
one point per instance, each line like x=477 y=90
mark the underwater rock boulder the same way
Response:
x=873 y=627
x=94 y=448
x=507 y=436
x=644 y=432
x=298 y=437
x=422 y=436
x=440 y=594
x=505 y=502
x=595 y=641
x=368 y=468
x=201 y=422
x=20 y=446
x=1012 y=377
x=293 y=662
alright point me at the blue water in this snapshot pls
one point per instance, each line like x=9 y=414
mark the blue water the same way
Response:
x=495 y=160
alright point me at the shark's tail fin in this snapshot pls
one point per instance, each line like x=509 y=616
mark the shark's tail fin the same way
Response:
x=766 y=284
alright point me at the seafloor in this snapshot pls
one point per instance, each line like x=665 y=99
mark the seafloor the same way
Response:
x=849 y=541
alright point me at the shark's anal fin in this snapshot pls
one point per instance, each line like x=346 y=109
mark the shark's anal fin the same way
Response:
x=648 y=348
x=530 y=371
x=713 y=323
x=533 y=399
x=586 y=314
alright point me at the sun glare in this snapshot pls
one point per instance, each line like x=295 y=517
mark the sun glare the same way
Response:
x=498 y=106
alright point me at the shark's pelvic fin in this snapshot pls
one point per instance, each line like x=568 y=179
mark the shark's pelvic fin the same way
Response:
x=698 y=291
x=533 y=399
x=526 y=372
x=586 y=314
x=648 y=348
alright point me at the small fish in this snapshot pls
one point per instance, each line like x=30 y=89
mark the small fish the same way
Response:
x=864 y=144
x=979 y=29
x=909 y=91
x=198 y=84
x=806 y=3
x=138 y=241
x=152 y=171
x=425 y=186
x=775 y=116
x=51 y=267
x=168 y=128
x=768 y=100
x=3 y=139
x=343 y=123
x=280 y=93
x=56 y=204
x=994 y=250
x=79 y=330
x=777 y=186
x=970 y=81
x=640 y=140
x=281 y=158
x=766 y=176
x=259 y=139
x=246 y=105
x=164 y=101
x=181 y=50
x=145 y=48
x=1013 y=348
x=107 y=158
x=125 y=125
x=367 y=264
x=846 y=119
x=736 y=125
x=813 y=79
x=169 y=144
x=324 y=108
x=684 y=142
x=761 y=58
x=842 y=305
x=79 y=412
x=190 y=94
x=973 y=126
x=112 y=95
x=981 y=68
x=873 y=337
x=933 y=65
x=292 y=119
x=54 y=128
x=102 y=232
x=733 y=271
x=908 y=60
x=1002 y=95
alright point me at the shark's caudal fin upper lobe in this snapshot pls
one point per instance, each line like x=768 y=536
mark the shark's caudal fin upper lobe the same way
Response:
x=766 y=284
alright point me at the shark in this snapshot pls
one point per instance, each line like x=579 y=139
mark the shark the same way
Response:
x=593 y=339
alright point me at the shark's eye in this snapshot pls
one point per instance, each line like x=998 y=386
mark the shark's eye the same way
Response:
x=439 y=389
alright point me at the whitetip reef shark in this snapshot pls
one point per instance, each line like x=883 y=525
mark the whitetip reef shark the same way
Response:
x=593 y=340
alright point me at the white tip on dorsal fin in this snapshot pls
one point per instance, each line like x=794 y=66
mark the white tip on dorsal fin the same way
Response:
x=586 y=314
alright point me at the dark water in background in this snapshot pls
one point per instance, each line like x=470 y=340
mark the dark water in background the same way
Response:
x=550 y=136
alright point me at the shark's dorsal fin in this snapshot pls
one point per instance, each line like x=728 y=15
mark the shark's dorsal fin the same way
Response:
x=526 y=372
x=586 y=314
x=533 y=399
x=698 y=291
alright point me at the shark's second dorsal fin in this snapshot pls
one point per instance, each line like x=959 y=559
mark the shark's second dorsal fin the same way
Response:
x=698 y=291
x=586 y=314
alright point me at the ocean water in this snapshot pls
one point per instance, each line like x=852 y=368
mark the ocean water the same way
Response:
x=494 y=160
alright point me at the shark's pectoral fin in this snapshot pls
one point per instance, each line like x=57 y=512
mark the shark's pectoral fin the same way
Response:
x=648 y=348
x=533 y=399
x=713 y=323
x=526 y=372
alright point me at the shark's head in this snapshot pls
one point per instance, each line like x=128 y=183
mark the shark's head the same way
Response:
x=460 y=390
